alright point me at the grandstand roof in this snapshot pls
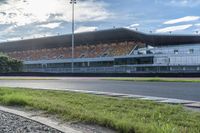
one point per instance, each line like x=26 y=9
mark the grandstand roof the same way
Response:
x=96 y=37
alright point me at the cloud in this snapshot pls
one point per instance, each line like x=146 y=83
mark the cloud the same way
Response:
x=180 y=3
x=31 y=17
x=85 y=29
x=184 y=19
x=132 y=26
x=33 y=11
x=50 y=25
x=198 y=24
x=174 y=28
x=9 y=29
x=197 y=28
x=2 y=39
x=14 y=39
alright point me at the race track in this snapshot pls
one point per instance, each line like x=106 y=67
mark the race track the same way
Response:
x=185 y=91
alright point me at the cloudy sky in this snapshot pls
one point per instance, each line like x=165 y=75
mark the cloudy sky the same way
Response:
x=37 y=18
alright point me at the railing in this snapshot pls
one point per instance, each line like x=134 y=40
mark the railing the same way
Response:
x=119 y=69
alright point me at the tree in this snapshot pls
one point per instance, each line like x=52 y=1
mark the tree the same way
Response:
x=8 y=64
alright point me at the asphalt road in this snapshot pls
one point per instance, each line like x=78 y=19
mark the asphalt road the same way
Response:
x=185 y=91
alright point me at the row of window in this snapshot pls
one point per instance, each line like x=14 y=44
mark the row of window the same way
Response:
x=163 y=51
x=68 y=65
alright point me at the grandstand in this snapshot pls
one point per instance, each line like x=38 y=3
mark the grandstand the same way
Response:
x=85 y=51
x=108 y=51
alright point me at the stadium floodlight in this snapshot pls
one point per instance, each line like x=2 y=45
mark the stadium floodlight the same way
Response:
x=73 y=2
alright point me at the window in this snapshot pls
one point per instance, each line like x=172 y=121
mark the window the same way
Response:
x=175 y=51
x=191 y=51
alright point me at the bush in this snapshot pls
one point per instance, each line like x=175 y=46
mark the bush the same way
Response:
x=8 y=64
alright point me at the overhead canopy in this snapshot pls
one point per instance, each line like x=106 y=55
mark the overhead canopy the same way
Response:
x=163 y=40
x=96 y=37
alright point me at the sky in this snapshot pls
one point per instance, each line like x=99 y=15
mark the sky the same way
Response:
x=24 y=19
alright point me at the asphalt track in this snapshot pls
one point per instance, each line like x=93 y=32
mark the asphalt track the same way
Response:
x=185 y=91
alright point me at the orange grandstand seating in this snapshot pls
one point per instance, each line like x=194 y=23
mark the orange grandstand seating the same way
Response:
x=82 y=51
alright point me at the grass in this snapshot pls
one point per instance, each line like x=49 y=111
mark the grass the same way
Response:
x=192 y=80
x=123 y=115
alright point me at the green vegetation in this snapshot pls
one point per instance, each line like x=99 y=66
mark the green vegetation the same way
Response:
x=123 y=115
x=8 y=64
x=155 y=79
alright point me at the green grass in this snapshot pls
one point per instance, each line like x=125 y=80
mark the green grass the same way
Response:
x=123 y=115
x=193 y=80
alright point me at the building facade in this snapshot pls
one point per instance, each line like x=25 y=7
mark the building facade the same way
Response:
x=109 y=51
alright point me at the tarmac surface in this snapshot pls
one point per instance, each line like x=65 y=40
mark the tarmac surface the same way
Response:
x=184 y=91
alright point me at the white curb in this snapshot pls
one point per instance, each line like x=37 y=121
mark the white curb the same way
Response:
x=40 y=119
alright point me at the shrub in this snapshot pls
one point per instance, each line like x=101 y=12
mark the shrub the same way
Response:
x=8 y=64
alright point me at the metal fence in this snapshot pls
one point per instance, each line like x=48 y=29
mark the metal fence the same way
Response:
x=121 y=69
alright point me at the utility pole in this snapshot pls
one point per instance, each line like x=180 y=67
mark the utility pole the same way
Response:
x=73 y=2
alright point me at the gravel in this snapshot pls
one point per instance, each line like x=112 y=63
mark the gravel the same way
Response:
x=10 y=123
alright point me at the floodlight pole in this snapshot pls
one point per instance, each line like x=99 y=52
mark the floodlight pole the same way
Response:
x=73 y=2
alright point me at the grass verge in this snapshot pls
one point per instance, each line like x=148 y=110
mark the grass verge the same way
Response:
x=123 y=115
x=192 y=80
